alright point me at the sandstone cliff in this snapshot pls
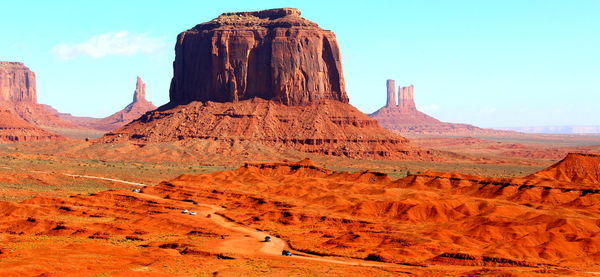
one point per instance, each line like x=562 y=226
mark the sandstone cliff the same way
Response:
x=272 y=54
x=17 y=83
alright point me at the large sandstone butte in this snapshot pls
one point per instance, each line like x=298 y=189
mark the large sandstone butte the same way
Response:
x=131 y=112
x=270 y=77
x=272 y=54
x=403 y=117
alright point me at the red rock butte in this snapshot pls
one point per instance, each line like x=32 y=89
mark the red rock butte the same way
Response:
x=272 y=54
x=270 y=77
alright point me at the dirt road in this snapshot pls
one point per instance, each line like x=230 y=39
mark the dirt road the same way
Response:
x=247 y=241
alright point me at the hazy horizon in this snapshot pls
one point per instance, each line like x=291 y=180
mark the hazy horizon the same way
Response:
x=491 y=64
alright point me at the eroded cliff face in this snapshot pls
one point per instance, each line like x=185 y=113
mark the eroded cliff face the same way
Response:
x=17 y=83
x=271 y=54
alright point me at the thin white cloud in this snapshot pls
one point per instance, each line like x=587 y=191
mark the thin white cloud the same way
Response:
x=430 y=108
x=120 y=43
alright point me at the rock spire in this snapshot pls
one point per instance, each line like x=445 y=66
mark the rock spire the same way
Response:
x=406 y=98
x=140 y=90
x=391 y=94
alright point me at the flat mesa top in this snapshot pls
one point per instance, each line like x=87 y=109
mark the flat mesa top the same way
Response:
x=12 y=67
x=273 y=18
x=7 y=64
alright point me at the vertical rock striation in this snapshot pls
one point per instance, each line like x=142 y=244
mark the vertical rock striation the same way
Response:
x=271 y=54
x=17 y=83
x=139 y=95
x=391 y=94
x=406 y=99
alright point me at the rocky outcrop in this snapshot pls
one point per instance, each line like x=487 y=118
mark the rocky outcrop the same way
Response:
x=575 y=167
x=404 y=118
x=15 y=129
x=272 y=54
x=17 y=83
x=328 y=128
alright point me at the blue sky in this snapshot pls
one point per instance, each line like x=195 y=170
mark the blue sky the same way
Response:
x=488 y=63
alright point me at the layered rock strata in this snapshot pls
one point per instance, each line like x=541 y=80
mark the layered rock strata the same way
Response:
x=329 y=128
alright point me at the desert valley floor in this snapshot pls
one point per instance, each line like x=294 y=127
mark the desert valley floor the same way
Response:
x=77 y=211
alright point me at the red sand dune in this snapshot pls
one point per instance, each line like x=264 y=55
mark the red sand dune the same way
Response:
x=418 y=219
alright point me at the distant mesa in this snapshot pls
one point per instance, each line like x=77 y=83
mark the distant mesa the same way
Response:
x=269 y=77
x=404 y=118
x=574 y=129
